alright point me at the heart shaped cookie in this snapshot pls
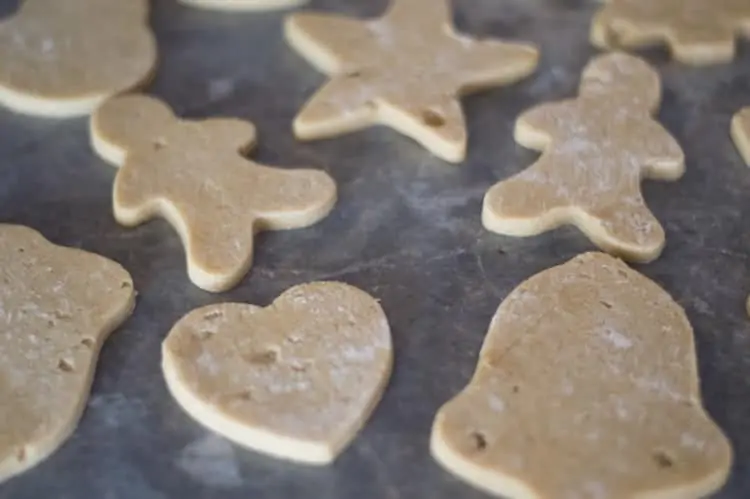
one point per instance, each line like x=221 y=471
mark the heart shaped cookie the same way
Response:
x=295 y=380
x=57 y=306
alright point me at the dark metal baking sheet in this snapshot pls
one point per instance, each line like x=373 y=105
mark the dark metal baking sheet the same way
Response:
x=406 y=229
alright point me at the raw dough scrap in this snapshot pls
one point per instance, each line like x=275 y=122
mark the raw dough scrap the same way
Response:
x=741 y=133
x=64 y=57
x=57 y=306
x=193 y=174
x=586 y=387
x=596 y=149
x=295 y=380
x=698 y=32
x=405 y=70
x=235 y=5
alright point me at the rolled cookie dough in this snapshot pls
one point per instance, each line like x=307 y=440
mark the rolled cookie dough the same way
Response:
x=405 y=70
x=193 y=174
x=741 y=133
x=57 y=306
x=235 y=5
x=295 y=380
x=64 y=57
x=586 y=387
x=596 y=150
x=697 y=32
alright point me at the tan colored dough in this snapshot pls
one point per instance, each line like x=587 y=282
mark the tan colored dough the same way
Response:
x=586 y=387
x=64 y=57
x=295 y=380
x=697 y=32
x=57 y=306
x=596 y=150
x=405 y=70
x=193 y=174
x=741 y=133
x=235 y=5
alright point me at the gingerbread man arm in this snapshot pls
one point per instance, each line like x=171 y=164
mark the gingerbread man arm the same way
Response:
x=662 y=155
x=228 y=133
x=536 y=127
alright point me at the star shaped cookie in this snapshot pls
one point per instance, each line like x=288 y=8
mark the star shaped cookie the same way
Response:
x=406 y=70
x=697 y=31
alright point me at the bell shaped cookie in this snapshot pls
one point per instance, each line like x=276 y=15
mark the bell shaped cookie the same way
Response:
x=65 y=57
x=406 y=70
x=194 y=174
x=295 y=380
x=586 y=387
x=596 y=149
x=57 y=306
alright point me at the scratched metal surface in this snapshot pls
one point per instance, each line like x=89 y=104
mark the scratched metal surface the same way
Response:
x=406 y=229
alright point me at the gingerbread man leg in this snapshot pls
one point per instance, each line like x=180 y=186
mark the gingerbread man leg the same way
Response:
x=526 y=204
x=627 y=228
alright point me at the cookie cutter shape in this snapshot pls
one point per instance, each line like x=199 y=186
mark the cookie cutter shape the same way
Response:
x=295 y=380
x=193 y=174
x=64 y=58
x=595 y=151
x=237 y=5
x=57 y=305
x=586 y=386
x=405 y=70
x=698 y=32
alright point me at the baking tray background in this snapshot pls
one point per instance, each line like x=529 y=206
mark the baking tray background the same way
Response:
x=406 y=229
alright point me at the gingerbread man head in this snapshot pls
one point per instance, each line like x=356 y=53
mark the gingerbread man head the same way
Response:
x=619 y=79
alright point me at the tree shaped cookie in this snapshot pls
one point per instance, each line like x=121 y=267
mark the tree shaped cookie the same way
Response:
x=405 y=70
x=193 y=174
x=295 y=380
x=64 y=57
x=57 y=306
x=596 y=149
x=586 y=387
x=741 y=133
x=697 y=31
x=243 y=4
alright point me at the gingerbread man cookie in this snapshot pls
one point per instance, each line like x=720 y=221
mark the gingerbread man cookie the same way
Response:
x=405 y=70
x=64 y=58
x=596 y=149
x=697 y=31
x=193 y=174
x=234 y=5
x=586 y=387
x=57 y=306
x=296 y=379
x=741 y=133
